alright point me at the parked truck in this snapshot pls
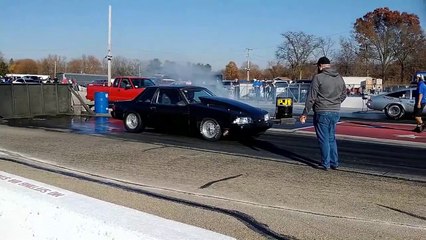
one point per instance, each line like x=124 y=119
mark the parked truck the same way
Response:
x=122 y=88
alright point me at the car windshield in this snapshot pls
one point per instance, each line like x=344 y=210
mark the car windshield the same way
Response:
x=142 y=82
x=193 y=94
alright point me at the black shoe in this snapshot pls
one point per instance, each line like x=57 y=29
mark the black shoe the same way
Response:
x=418 y=129
x=322 y=167
x=334 y=167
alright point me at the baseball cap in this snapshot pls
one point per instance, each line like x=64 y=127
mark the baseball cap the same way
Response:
x=323 y=60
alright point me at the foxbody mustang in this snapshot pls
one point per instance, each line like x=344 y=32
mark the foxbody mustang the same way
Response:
x=192 y=108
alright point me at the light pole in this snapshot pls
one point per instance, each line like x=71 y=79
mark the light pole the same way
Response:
x=54 y=70
x=109 y=56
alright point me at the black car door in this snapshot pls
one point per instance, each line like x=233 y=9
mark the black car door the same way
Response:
x=143 y=105
x=170 y=109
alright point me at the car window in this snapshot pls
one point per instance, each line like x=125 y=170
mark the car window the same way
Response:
x=168 y=97
x=146 y=95
x=124 y=83
x=115 y=83
x=400 y=94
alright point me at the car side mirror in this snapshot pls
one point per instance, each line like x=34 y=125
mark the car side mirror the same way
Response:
x=128 y=86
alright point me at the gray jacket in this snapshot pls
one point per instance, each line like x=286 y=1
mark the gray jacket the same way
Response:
x=326 y=93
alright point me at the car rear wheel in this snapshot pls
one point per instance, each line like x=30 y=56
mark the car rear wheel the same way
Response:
x=210 y=129
x=133 y=122
x=394 y=111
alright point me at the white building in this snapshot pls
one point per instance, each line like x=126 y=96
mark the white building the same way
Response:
x=363 y=84
x=355 y=82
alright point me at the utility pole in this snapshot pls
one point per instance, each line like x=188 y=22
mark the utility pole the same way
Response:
x=54 y=70
x=248 y=63
x=109 y=56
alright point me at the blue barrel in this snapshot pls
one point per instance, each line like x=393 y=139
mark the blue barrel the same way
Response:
x=101 y=102
x=101 y=124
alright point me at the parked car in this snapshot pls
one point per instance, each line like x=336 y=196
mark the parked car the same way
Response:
x=193 y=108
x=396 y=104
x=26 y=81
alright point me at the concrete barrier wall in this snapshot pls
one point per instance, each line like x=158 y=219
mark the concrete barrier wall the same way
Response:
x=33 y=210
x=30 y=100
x=6 y=103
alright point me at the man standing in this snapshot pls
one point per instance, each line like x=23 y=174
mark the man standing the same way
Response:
x=326 y=93
x=420 y=103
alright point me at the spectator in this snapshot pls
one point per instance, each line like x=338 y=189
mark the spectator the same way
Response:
x=264 y=84
x=420 y=102
x=326 y=93
x=257 y=84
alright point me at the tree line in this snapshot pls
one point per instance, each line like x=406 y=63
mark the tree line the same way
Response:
x=384 y=44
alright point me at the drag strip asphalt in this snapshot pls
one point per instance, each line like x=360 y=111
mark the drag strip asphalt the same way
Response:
x=294 y=144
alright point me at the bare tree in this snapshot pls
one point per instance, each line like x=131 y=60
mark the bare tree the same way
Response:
x=50 y=64
x=326 y=47
x=274 y=70
x=347 y=56
x=85 y=64
x=297 y=49
x=92 y=65
x=255 y=72
x=122 y=66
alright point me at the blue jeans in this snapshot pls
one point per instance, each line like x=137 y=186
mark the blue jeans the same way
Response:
x=325 y=128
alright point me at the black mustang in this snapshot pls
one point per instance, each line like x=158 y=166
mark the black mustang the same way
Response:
x=191 y=108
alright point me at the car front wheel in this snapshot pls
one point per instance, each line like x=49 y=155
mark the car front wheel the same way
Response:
x=133 y=122
x=210 y=129
x=394 y=111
